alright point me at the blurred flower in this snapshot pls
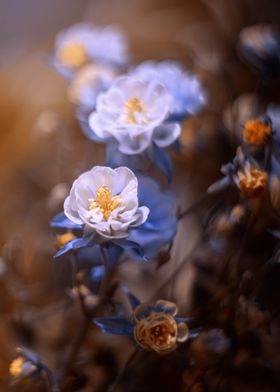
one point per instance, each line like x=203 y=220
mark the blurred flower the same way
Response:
x=257 y=131
x=90 y=81
x=260 y=46
x=83 y=43
x=184 y=87
x=62 y=239
x=133 y=112
x=105 y=200
x=25 y=365
x=90 y=300
x=244 y=173
x=153 y=328
x=251 y=181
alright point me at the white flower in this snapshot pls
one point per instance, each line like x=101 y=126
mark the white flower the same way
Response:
x=133 y=111
x=83 y=43
x=90 y=81
x=105 y=200
x=185 y=88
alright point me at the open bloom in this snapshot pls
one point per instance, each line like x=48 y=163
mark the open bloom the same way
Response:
x=83 y=43
x=184 y=87
x=105 y=200
x=90 y=81
x=133 y=112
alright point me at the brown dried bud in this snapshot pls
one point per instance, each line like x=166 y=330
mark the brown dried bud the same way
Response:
x=159 y=332
x=256 y=132
x=252 y=182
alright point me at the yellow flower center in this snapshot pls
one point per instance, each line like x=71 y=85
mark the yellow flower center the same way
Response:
x=252 y=182
x=104 y=202
x=132 y=106
x=16 y=366
x=73 y=55
x=256 y=132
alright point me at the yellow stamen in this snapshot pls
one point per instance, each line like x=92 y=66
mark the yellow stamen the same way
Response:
x=73 y=55
x=16 y=366
x=104 y=202
x=132 y=106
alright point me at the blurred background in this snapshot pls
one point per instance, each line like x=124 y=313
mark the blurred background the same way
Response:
x=42 y=149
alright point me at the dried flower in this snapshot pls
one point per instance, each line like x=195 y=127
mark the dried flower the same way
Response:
x=251 y=181
x=154 y=328
x=257 y=132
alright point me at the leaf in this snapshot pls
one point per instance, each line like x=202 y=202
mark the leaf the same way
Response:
x=161 y=159
x=114 y=325
x=61 y=221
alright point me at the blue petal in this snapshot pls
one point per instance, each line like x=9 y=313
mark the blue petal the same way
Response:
x=97 y=273
x=131 y=245
x=114 y=325
x=61 y=221
x=161 y=159
x=77 y=243
x=161 y=225
x=134 y=301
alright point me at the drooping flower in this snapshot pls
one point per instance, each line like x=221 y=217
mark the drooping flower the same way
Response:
x=84 y=43
x=185 y=88
x=133 y=113
x=90 y=81
x=105 y=200
x=153 y=328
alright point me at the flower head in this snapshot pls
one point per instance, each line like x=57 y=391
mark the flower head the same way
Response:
x=90 y=81
x=25 y=365
x=132 y=112
x=84 y=43
x=251 y=181
x=153 y=328
x=184 y=87
x=257 y=132
x=105 y=200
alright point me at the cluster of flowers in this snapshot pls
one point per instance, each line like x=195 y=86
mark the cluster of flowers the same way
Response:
x=136 y=112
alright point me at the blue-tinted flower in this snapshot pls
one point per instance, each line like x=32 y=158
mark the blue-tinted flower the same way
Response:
x=153 y=328
x=185 y=87
x=145 y=240
x=90 y=81
x=105 y=200
x=161 y=226
x=133 y=113
x=84 y=43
